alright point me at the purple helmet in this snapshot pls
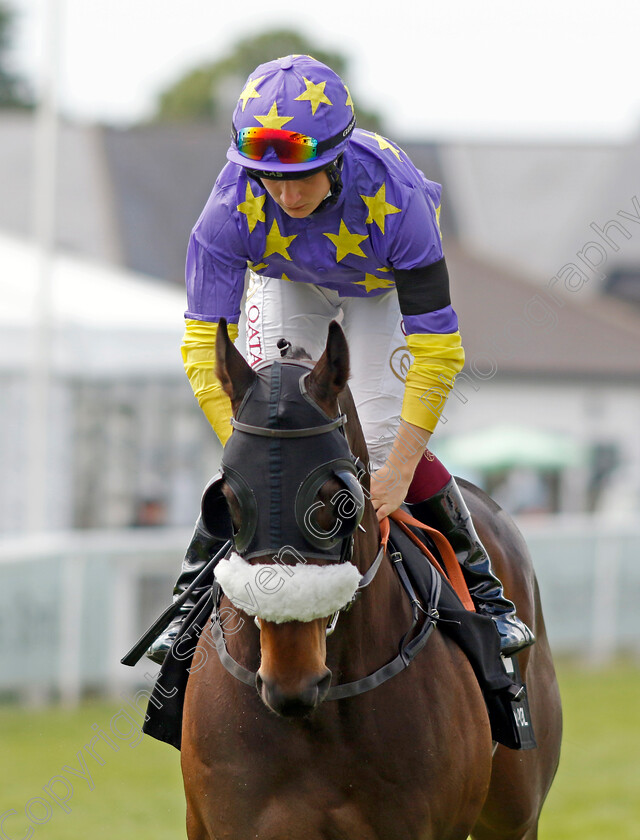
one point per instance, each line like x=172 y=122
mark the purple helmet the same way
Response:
x=294 y=115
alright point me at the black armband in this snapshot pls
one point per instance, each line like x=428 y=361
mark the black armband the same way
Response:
x=424 y=289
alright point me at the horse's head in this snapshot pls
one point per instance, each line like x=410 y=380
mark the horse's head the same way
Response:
x=290 y=497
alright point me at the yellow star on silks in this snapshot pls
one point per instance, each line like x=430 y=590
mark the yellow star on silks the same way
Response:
x=250 y=91
x=346 y=243
x=349 y=101
x=258 y=266
x=314 y=94
x=378 y=207
x=252 y=208
x=438 y=209
x=272 y=119
x=385 y=144
x=277 y=243
x=371 y=282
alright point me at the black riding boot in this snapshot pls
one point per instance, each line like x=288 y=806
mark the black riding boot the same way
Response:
x=448 y=512
x=201 y=549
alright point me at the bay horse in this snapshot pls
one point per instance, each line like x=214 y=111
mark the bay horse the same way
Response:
x=412 y=759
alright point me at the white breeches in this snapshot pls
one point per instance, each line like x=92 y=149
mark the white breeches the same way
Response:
x=380 y=358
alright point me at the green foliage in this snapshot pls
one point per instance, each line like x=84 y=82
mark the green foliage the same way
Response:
x=208 y=93
x=13 y=90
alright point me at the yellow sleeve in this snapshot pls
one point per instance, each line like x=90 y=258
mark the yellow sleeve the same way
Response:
x=436 y=361
x=199 y=357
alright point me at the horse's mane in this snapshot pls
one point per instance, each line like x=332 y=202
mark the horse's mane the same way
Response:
x=291 y=351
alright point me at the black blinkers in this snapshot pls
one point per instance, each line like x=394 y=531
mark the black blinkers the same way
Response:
x=281 y=453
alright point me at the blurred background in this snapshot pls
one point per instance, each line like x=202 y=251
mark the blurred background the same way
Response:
x=114 y=122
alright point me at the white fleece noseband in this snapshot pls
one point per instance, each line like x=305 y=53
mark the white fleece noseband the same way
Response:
x=279 y=593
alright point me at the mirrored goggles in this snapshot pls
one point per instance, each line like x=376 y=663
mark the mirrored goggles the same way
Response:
x=289 y=146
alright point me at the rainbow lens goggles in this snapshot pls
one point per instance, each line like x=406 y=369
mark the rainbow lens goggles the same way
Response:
x=292 y=147
x=289 y=146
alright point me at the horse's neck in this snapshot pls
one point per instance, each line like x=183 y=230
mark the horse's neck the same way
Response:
x=367 y=635
x=355 y=435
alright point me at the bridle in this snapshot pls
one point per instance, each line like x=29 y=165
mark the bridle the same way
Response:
x=422 y=618
x=410 y=645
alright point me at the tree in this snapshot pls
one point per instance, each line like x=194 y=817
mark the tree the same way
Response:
x=14 y=92
x=208 y=93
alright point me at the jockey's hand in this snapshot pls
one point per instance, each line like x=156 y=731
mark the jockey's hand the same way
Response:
x=389 y=484
x=388 y=490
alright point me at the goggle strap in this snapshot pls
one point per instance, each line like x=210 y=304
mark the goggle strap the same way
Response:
x=323 y=145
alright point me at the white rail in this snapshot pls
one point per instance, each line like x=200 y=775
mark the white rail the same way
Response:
x=71 y=604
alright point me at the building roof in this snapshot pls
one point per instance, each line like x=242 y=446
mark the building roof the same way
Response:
x=531 y=206
x=161 y=177
x=513 y=215
x=85 y=214
x=515 y=324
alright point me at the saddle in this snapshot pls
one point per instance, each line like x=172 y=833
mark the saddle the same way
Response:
x=499 y=677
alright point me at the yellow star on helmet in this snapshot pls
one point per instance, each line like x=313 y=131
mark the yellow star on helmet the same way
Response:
x=349 y=102
x=273 y=119
x=371 y=282
x=378 y=207
x=314 y=94
x=346 y=242
x=252 y=208
x=385 y=144
x=277 y=243
x=250 y=91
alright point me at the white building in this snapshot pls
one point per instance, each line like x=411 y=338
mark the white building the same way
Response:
x=126 y=441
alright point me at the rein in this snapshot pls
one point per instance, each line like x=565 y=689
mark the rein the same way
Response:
x=452 y=569
x=409 y=647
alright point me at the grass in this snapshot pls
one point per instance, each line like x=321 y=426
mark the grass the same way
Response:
x=596 y=794
x=137 y=790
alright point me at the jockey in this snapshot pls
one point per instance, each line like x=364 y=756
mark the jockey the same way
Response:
x=335 y=223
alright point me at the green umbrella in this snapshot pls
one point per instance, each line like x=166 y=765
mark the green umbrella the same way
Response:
x=502 y=447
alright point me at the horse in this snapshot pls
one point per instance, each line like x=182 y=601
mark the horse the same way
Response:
x=411 y=759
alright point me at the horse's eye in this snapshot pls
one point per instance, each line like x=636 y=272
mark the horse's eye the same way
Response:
x=334 y=513
x=233 y=506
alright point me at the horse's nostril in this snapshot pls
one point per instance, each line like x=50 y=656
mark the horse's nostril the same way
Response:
x=324 y=684
x=298 y=703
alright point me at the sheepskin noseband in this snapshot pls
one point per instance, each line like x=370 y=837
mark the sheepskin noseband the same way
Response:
x=279 y=593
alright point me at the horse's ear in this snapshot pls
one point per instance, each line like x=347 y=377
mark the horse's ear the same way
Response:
x=331 y=373
x=235 y=375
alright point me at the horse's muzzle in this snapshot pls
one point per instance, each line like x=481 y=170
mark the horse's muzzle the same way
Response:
x=296 y=704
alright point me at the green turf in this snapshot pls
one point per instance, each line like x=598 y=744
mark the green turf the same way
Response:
x=137 y=791
x=596 y=794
